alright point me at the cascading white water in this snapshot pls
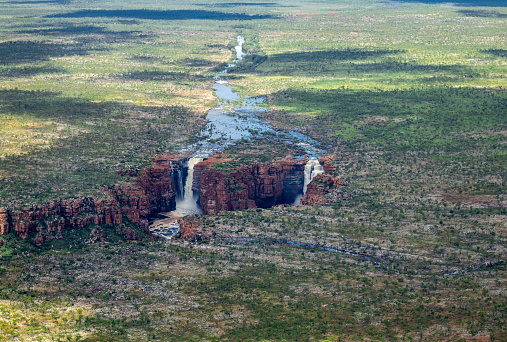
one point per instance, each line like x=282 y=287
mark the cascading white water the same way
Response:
x=317 y=169
x=312 y=169
x=179 y=174
x=308 y=176
x=225 y=127
x=189 y=202
x=186 y=203
x=239 y=48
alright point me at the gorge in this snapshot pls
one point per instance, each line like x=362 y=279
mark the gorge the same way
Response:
x=188 y=183
x=257 y=185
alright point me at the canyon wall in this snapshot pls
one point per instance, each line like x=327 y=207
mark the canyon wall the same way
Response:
x=324 y=188
x=257 y=185
x=152 y=191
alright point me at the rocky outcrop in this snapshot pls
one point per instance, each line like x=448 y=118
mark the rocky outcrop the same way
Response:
x=128 y=233
x=97 y=235
x=258 y=185
x=152 y=192
x=191 y=228
x=324 y=188
x=52 y=218
x=4 y=221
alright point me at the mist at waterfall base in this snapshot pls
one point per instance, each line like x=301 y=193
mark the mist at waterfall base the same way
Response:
x=233 y=119
x=186 y=201
x=187 y=204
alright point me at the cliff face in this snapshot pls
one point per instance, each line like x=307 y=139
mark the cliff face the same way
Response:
x=4 y=221
x=324 y=189
x=257 y=185
x=51 y=218
x=152 y=192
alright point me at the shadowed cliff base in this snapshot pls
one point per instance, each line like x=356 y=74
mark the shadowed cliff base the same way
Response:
x=161 y=15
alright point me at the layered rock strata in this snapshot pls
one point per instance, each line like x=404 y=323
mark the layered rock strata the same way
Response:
x=324 y=188
x=258 y=185
x=4 y=221
x=151 y=192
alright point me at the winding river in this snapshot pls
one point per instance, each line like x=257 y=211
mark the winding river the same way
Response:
x=233 y=119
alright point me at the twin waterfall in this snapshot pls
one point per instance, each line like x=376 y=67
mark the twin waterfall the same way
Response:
x=187 y=202
x=226 y=125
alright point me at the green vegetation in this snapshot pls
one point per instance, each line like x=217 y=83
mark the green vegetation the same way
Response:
x=82 y=98
x=410 y=98
x=235 y=291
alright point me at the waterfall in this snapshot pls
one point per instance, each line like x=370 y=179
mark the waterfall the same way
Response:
x=308 y=176
x=189 y=202
x=179 y=174
x=239 y=48
x=317 y=169
x=312 y=169
x=190 y=178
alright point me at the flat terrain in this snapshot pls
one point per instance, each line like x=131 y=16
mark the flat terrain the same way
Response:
x=408 y=97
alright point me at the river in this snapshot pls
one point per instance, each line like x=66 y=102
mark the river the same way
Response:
x=233 y=119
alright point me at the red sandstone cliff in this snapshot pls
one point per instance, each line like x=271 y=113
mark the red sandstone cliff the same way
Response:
x=152 y=192
x=257 y=185
x=4 y=221
x=323 y=189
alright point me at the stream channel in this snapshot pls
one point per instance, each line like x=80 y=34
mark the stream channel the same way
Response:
x=233 y=119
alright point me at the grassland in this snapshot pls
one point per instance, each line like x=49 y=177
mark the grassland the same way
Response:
x=409 y=96
x=81 y=98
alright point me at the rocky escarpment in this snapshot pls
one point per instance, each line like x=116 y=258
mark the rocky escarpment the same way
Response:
x=152 y=191
x=4 y=221
x=257 y=185
x=324 y=188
